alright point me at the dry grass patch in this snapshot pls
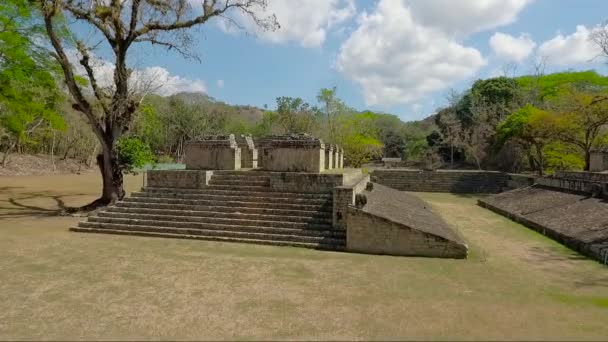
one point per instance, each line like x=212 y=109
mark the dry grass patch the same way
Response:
x=61 y=285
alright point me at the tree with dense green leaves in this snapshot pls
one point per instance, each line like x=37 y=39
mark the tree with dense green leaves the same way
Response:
x=582 y=120
x=122 y=26
x=358 y=136
x=532 y=128
x=29 y=97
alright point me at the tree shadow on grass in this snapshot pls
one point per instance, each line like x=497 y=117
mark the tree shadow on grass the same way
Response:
x=18 y=208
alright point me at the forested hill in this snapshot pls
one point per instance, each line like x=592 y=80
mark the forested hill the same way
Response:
x=244 y=113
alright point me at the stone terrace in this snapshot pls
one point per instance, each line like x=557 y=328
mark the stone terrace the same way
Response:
x=578 y=221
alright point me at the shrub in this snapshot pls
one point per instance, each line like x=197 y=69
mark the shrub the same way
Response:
x=133 y=153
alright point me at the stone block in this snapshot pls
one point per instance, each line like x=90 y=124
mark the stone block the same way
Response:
x=292 y=153
x=329 y=156
x=249 y=153
x=598 y=161
x=213 y=153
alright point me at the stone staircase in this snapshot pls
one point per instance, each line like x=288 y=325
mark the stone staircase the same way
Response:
x=237 y=206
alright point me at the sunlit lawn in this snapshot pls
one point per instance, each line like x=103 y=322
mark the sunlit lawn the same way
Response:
x=55 y=284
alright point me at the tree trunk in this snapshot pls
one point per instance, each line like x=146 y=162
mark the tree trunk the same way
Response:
x=451 y=156
x=6 y=154
x=112 y=189
x=587 y=160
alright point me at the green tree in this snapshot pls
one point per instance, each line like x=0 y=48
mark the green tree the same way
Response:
x=124 y=25
x=533 y=129
x=295 y=115
x=28 y=95
x=582 y=117
x=358 y=136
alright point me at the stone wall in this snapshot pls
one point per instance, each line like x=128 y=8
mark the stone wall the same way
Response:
x=575 y=220
x=292 y=153
x=182 y=179
x=388 y=221
x=598 y=161
x=455 y=181
x=213 y=153
x=344 y=196
x=372 y=234
x=581 y=175
x=304 y=182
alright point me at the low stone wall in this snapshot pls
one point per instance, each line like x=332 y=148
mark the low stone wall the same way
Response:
x=305 y=182
x=584 y=176
x=455 y=181
x=181 y=179
x=396 y=223
x=344 y=196
x=574 y=220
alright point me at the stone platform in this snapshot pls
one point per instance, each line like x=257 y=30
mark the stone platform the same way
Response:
x=397 y=223
x=576 y=220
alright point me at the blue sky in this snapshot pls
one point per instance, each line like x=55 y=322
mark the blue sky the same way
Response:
x=396 y=56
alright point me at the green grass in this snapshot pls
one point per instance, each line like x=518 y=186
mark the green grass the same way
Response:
x=55 y=284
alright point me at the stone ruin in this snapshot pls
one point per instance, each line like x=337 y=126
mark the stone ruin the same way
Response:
x=285 y=200
x=249 y=154
x=599 y=160
x=218 y=152
x=292 y=153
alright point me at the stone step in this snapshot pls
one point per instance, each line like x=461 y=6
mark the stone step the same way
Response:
x=239 y=198
x=241 y=192
x=241 y=177
x=134 y=208
x=222 y=208
x=214 y=233
x=320 y=246
x=234 y=187
x=242 y=173
x=179 y=217
x=326 y=207
x=257 y=228
x=236 y=182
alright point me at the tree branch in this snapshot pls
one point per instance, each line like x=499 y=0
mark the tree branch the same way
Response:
x=82 y=104
x=84 y=61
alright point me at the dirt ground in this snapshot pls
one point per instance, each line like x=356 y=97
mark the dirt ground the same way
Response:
x=37 y=165
x=55 y=284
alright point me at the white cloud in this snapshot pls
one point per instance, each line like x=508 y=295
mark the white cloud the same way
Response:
x=306 y=23
x=162 y=82
x=512 y=48
x=463 y=17
x=155 y=79
x=220 y=84
x=567 y=50
x=396 y=60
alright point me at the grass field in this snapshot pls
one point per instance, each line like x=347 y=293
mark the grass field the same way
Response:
x=55 y=284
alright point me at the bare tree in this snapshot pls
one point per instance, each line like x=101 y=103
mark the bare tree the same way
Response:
x=451 y=132
x=123 y=24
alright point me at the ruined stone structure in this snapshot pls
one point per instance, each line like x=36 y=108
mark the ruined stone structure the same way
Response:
x=249 y=154
x=292 y=153
x=456 y=181
x=329 y=157
x=291 y=202
x=599 y=161
x=574 y=219
x=396 y=223
x=213 y=153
